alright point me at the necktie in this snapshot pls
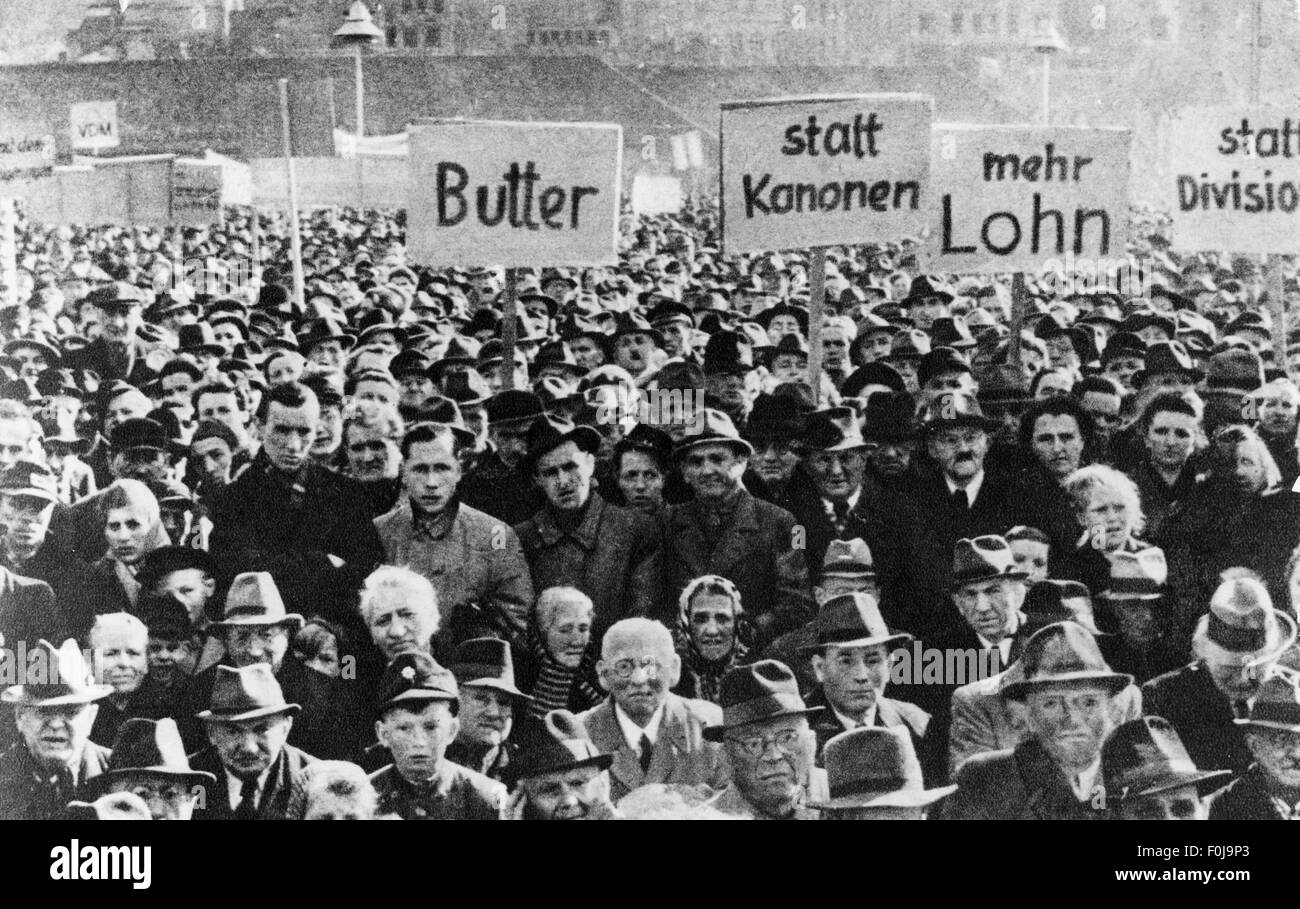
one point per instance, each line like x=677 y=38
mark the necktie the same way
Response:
x=960 y=501
x=647 y=752
x=841 y=510
x=246 y=810
x=1241 y=709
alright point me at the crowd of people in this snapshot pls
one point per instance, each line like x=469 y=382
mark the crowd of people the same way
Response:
x=1012 y=553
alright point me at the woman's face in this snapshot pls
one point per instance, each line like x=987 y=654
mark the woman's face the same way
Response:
x=641 y=482
x=1170 y=439
x=127 y=533
x=1249 y=471
x=1108 y=518
x=713 y=625
x=569 y=634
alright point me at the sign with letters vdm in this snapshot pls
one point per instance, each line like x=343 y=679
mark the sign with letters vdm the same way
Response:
x=824 y=171
x=513 y=194
x=1011 y=198
x=94 y=125
x=1234 y=180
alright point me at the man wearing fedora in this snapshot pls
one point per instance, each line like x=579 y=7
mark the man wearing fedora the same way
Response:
x=872 y=773
x=473 y=560
x=851 y=660
x=1149 y=777
x=117 y=353
x=890 y=431
x=1055 y=773
x=577 y=539
x=1269 y=790
x=1235 y=644
x=1135 y=605
x=258 y=775
x=416 y=721
x=769 y=745
x=497 y=485
x=654 y=735
x=560 y=775
x=149 y=760
x=41 y=773
x=488 y=698
x=987 y=594
x=725 y=530
x=309 y=527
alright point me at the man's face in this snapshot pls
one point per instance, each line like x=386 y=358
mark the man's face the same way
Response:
x=416 y=387
x=677 y=338
x=783 y=325
x=227 y=334
x=118 y=323
x=789 y=367
x=1183 y=803
x=641 y=481
x=947 y=383
x=371 y=454
x=430 y=474
x=1234 y=675
x=1278 y=753
x=249 y=645
x=176 y=389
x=1058 y=444
x=775 y=461
x=400 y=624
x=223 y=407
x=632 y=352
x=890 y=459
x=835 y=585
x=56 y=736
x=565 y=795
x=248 y=748
x=727 y=388
x=127 y=533
x=835 y=347
x=171 y=659
x=836 y=474
x=192 y=586
x=329 y=432
x=1170 y=439
x=1247 y=467
x=417 y=735
x=1061 y=353
x=144 y=464
x=712 y=619
x=989 y=606
x=959 y=451
x=771 y=760
x=328 y=354
x=127 y=406
x=511 y=441
x=486 y=715
x=1277 y=414
x=929 y=309
x=564 y=476
x=31 y=362
x=712 y=471
x=1139 y=625
x=120 y=657
x=287 y=367
x=287 y=434
x=638 y=674
x=588 y=353
x=214 y=460
x=1030 y=557
x=876 y=346
x=168 y=798
x=853 y=677
x=372 y=390
x=1104 y=410
x=26 y=520
x=1070 y=721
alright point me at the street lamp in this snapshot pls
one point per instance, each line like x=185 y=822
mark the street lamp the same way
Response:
x=1047 y=41
x=356 y=32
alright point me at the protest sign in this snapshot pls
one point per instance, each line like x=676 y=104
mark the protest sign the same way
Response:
x=821 y=171
x=25 y=149
x=1011 y=198
x=94 y=125
x=653 y=194
x=513 y=194
x=1234 y=181
x=196 y=193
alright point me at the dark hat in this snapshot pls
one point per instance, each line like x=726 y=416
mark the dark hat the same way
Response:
x=835 y=429
x=118 y=294
x=37 y=342
x=55 y=381
x=22 y=390
x=559 y=743
x=486 y=663
x=409 y=362
x=909 y=344
x=549 y=431
x=468 y=390
x=211 y=429
x=984 y=558
x=1146 y=756
x=69 y=680
x=760 y=691
x=165 y=615
x=199 y=338
x=324 y=329
x=1045 y=604
x=438 y=409
x=876 y=372
x=1124 y=344
x=956 y=408
x=513 y=406
x=670 y=311
x=27 y=478
x=1170 y=356
x=1149 y=319
x=645 y=438
x=627 y=323
x=246 y=693
x=875 y=767
x=712 y=427
x=253 y=599
x=557 y=353
x=1234 y=370
x=923 y=288
x=150 y=746
x=774 y=417
x=950 y=332
x=552 y=305
x=158 y=563
x=938 y=361
x=728 y=352
x=1063 y=653
x=140 y=432
x=1277 y=705
x=799 y=313
x=851 y=620
x=413 y=678
x=789 y=344
x=890 y=416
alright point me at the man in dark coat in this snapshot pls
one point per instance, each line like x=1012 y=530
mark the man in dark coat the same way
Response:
x=725 y=530
x=578 y=539
x=116 y=353
x=1235 y=643
x=310 y=528
x=40 y=774
x=259 y=777
x=491 y=708
x=1270 y=789
x=496 y=484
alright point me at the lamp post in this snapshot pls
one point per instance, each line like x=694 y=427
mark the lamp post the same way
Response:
x=357 y=31
x=1047 y=41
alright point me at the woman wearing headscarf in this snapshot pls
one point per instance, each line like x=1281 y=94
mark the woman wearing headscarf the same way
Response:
x=558 y=670
x=131 y=521
x=713 y=636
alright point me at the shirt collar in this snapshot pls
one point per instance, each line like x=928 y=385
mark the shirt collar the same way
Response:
x=234 y=784
x=632 y=732
x=852 y=501
x=1085 y=782
x=972 y=488
x=850 y=723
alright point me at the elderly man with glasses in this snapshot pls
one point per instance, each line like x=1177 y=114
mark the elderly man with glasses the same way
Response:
x=654 y=735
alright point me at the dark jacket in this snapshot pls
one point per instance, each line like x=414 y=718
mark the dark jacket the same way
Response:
x=69 y=578
x=261 y=523
x=29 y=612
x=455 y=794
x=756 y=551
x=283 y=798
x=503 y=492
x=150 y=701
x=613 y=556
x=1201 y=715
x=104 y=591
x=28 y=794
x=889 y=713
x=100 y=357
x=1245 y=799
x=1020 y=784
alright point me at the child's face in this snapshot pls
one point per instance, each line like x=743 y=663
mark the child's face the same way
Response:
x=192 y=586
x=171 y=659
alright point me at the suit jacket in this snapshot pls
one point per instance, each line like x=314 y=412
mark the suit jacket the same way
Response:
x=283 y=798
x=500 y=491
x=1189 y=700
x=756 y=552
x=476 y=565
x=613 y=556
x=1021 y=784
x=733 y=801
x=67 y=576
x=681 y=755
x=260 y=524
x=104 y=591
x=889 y=713
x=1245 y=799
x=26 y=791
x=99 y=357
x=455 y=794
x=28 y=612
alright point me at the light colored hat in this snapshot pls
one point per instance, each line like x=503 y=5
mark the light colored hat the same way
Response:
x=876 y=767
x=253 y=599
x=68 y=679
x=1241 y=621
x=1137 y=575
x=848 y=559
